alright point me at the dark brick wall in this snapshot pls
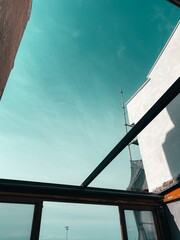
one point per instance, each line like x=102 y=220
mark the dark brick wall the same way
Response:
x=14 y=15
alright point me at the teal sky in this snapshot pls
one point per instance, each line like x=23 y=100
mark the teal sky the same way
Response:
x=60 y=114
x=61 y=110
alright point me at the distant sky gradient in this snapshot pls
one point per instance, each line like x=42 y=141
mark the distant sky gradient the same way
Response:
x=60 y=114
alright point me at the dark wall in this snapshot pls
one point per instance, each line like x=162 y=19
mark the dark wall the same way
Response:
x=14 y=15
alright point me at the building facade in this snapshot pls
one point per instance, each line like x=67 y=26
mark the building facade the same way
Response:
x=159 y=142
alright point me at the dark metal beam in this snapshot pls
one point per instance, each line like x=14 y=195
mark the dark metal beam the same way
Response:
x=166 y=98
x=175 y=2
x=35 y=231
x=24 y=191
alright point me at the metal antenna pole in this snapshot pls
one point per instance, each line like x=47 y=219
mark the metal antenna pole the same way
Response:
x=67 y=228
x=125 y=122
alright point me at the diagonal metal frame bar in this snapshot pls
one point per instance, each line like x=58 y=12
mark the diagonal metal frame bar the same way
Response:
x=166 y=98
x=175 y=2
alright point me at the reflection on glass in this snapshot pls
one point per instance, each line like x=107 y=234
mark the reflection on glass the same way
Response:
x=140 y=225
x=86 y=222
x=15 y=221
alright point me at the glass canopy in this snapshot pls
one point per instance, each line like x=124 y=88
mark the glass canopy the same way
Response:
x=61 y=116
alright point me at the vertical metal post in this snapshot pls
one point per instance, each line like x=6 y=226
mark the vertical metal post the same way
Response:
x=35 y=231
x=160 y=220
x=123 y=224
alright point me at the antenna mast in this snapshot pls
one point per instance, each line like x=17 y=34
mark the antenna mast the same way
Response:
x=125 y=122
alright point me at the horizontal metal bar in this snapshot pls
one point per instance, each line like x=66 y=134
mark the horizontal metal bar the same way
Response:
x=24 y=191
x=166 y=98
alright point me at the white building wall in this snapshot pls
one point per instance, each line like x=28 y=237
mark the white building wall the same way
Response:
x=160 y=141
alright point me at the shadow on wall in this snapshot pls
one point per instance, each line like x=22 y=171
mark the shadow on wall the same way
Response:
x=171 y=146
x=173 y=223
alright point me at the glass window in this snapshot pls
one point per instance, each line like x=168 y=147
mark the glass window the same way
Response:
x=140 y=225
x=15 y=221
x=86 y=222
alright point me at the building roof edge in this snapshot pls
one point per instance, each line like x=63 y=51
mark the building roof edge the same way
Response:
x=153 y=66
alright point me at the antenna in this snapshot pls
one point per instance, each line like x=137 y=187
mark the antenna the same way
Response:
x=125 y=122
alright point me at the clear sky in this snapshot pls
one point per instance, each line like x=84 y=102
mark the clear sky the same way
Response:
x=61 y=110
x=60 y=114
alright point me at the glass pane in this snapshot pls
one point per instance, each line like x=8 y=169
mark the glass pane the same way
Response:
x=86 y=222
x=131 y=225
x=140 y=225
x=15 y=221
